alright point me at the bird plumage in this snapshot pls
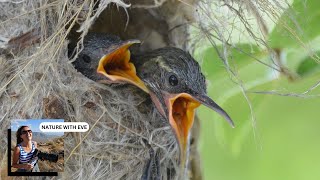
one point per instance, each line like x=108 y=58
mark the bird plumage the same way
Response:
x=95 y=46
x=171 y=77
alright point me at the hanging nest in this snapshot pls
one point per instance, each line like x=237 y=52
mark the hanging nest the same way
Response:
x=38 y=80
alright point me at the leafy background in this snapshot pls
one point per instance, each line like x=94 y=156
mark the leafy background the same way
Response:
x=280 y=137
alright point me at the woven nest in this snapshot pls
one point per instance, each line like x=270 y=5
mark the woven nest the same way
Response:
x=39 y=81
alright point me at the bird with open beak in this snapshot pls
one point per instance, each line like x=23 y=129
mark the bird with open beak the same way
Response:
x=177 y=87
x=171 y=77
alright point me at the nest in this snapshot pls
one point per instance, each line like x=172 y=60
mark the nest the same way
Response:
x=39 y=81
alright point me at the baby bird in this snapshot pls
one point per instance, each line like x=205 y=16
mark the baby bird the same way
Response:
x=171 y=77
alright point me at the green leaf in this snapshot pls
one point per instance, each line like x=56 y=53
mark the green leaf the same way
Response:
x=287 y=130
x=238 y=56
x=297 y=25
x=308 y=66
x=222 y=86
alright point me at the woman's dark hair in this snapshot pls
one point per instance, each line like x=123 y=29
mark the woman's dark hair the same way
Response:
x=18 y=134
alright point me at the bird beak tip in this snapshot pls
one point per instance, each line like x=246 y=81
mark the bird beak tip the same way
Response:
x=232 y=125
x=207 y=101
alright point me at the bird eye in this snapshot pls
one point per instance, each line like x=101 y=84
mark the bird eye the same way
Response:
x=173 y=80
x=86 y=58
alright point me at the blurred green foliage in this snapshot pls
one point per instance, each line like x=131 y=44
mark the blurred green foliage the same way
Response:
x=297 y=25
x=278 y=138
x=308 y=66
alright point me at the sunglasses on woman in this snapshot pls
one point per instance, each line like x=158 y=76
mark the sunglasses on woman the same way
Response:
x=25 y=132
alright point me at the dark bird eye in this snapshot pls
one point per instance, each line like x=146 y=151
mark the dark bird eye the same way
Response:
x=86 y=58
x=173 y=80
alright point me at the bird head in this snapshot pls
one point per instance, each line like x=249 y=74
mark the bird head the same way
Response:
x=177 y=87
x=106 y=59
x=170 y=75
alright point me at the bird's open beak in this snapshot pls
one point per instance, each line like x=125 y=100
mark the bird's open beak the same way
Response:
x=181 y=108
x=115 y=65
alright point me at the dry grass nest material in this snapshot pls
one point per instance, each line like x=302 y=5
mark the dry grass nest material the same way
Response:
x=40 y=82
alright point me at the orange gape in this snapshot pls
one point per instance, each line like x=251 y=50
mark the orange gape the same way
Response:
x=181 y=116
x=116 y=67
x=174 y=79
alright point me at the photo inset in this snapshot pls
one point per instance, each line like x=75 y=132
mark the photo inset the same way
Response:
x=33 y=150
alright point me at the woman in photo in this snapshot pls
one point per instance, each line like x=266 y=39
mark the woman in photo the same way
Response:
x=22 y=155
